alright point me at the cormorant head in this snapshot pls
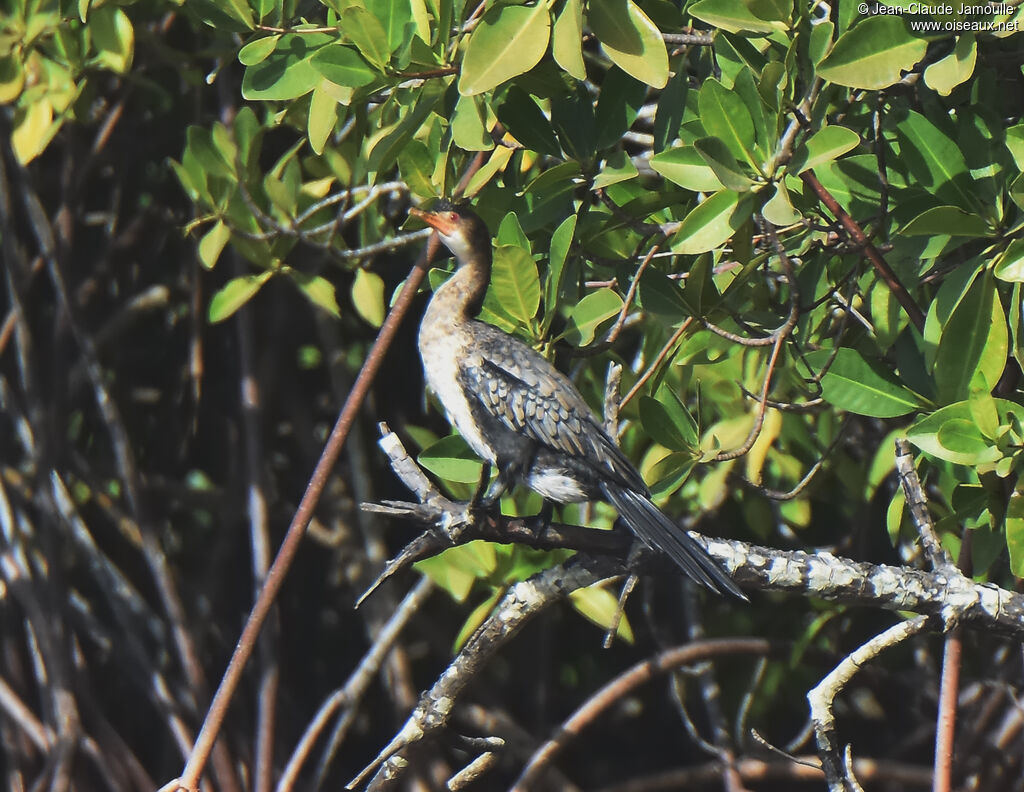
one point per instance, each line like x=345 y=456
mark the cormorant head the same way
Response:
x=461 y=230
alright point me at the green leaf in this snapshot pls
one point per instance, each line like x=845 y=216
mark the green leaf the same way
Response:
x=1015 y=144
x=662 y=296
x=720 y=159
x=825 y=145
x=477 y=617
x=669 y=473
x=368 y=296
x=114 y=38
x=973 y=343
x=946 y=220
x=724 y=116
x=894 y=515
x=771 y=10
x=1010 y=265
x=510 y=232
x=567 y=39
x=515 y=284
x=365 y=31
x=12 y=78
x=955 y=69
x=935 y=161
x=451 y=459
x=342 y=66
x=1015 y=532
x=948 y=297
x=631 y=39
x=415 y=165
x=34 y=128
x=287 y=72
x=600 y=606
x=779 y=208
x=495 y=163
x=385 y=150
x=523 y=119
x=509 y=41
x=561 y=241
x=671 y=107
x=873 y=54
x=222 y=15
x=212 y=243
x=853 y=182
x=589 y=313
x=925 y=433
x=467 y=125
x=573 y=120
x=962 y=437
x=199 y=144
x=686 y=167
x=667 y=421
x=234 y=294
x=617 y=168
x=458 y=568
x=764 y=118
x=984 y=413
x=258 y=50
x=323 y=115
x=732 y=16
x=318 y=290
x=712 y=222
x=854 y=385
x=395 y=18
x=618 y=104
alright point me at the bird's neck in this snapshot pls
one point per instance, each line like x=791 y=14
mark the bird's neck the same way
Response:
x=462 y=295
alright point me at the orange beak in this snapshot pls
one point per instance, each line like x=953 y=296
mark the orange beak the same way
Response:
x=439 y=221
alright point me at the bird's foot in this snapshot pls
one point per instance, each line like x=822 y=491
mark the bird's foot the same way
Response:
x=541 y=521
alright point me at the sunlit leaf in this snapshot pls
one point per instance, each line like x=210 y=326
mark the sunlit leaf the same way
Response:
x=712 y=222
x=956 y=68
x=368 y=296
x=323 y=115
x=950 y=220
x=589 y=314
x=318 y=290
x=825 y=145
x=342 y=66
x=287 y=72
x=451 y=459
x=720 y=159
x=601 y=607
x=631 y=39
x=687 y=168
x=567 y=39
x=873 y=54
x=114 y=38
x=732 y=16
x=515 y=283
x=509 y=40
x=853 y=384
x=234 y=294
x=725 y=117
x=212 y=243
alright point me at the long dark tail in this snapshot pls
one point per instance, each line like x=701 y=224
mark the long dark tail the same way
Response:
x=656 y=530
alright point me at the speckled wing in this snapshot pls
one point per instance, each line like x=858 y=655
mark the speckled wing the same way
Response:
x=519 y=387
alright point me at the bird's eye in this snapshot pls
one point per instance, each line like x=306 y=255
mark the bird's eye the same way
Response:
x=452 y=217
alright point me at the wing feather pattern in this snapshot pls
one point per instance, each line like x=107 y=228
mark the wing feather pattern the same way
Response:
x=515 y=385
x=520 y=388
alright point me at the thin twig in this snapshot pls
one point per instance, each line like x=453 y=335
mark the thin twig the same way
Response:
x=624 y=684
x=882 y=268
